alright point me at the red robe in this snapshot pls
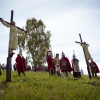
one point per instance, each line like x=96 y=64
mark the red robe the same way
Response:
x=24 y=65
x=19 y=63
x=50 y=63
x=96 y=67
x=68 y=64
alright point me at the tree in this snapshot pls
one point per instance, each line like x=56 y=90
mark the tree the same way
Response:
x=36 y=42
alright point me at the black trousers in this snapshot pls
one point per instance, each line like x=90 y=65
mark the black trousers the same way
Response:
x=21 y=71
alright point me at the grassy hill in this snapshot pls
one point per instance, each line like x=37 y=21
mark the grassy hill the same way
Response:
x=41 y=86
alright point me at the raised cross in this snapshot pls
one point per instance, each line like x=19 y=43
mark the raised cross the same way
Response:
x=84 y=56
x=8 y=67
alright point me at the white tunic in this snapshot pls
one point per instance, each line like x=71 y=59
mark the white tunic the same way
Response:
x=13 y=35
x=75 y=65
x=58 y=68
x=85 y=47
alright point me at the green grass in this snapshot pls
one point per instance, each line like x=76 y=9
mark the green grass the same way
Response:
x=41 y=86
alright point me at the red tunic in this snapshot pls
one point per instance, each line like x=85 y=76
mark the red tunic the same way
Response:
x=50 y=63
x=68 y=64
x=24 y=65
x=19 y=63
x=96 y=67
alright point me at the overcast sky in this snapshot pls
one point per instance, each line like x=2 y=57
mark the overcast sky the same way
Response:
x=64 y=18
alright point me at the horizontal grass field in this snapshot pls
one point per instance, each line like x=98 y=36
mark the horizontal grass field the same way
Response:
x=42 y=86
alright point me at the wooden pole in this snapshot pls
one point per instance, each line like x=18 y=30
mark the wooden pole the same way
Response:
x=15 y=26
x=85 y=59
x=8 y=67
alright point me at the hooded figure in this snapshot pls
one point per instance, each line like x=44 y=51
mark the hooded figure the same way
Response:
x=19 y=65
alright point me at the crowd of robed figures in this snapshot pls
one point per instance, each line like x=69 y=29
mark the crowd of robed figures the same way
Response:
x=53 y=64
x=63 y=65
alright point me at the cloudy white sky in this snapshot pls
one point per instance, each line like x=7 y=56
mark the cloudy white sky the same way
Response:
x=65 y=18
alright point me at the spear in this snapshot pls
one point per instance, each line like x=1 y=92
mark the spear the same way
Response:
x=51 y=50
x=73 y=51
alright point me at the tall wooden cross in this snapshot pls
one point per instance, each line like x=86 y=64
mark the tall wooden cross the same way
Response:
x=8 y=67
x=85 y=57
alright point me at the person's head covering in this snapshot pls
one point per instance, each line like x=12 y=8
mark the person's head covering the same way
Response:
x=49 y=53
x=63 y=54
x=74 y=56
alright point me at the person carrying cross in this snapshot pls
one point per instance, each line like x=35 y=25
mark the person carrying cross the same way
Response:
x=13 y=36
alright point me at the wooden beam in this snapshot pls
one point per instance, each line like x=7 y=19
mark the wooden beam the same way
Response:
x=84 y=56
x=15 y=26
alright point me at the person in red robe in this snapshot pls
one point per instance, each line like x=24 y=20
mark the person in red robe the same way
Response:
x=24 y=64
x=19 y=65
x=50 y=62
x=65 y=64
x=94 y=68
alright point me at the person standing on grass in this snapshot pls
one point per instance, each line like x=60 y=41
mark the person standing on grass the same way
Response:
x=24 y=64
x=3 y=66
x=14 y=67
x=57 y=65
x=50 y=62
x=65 y=64
x=75 y=66
x=19 y=65
x=82 y=71
x=94 y=68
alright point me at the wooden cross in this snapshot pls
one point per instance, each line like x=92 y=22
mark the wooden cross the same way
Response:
x=84 y=56
x=11 y=24
x=8 y=67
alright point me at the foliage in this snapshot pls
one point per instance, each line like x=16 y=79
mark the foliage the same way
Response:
x=36 y=42
x=41 y=86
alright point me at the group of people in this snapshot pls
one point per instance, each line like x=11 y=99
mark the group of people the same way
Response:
x=56 y=65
